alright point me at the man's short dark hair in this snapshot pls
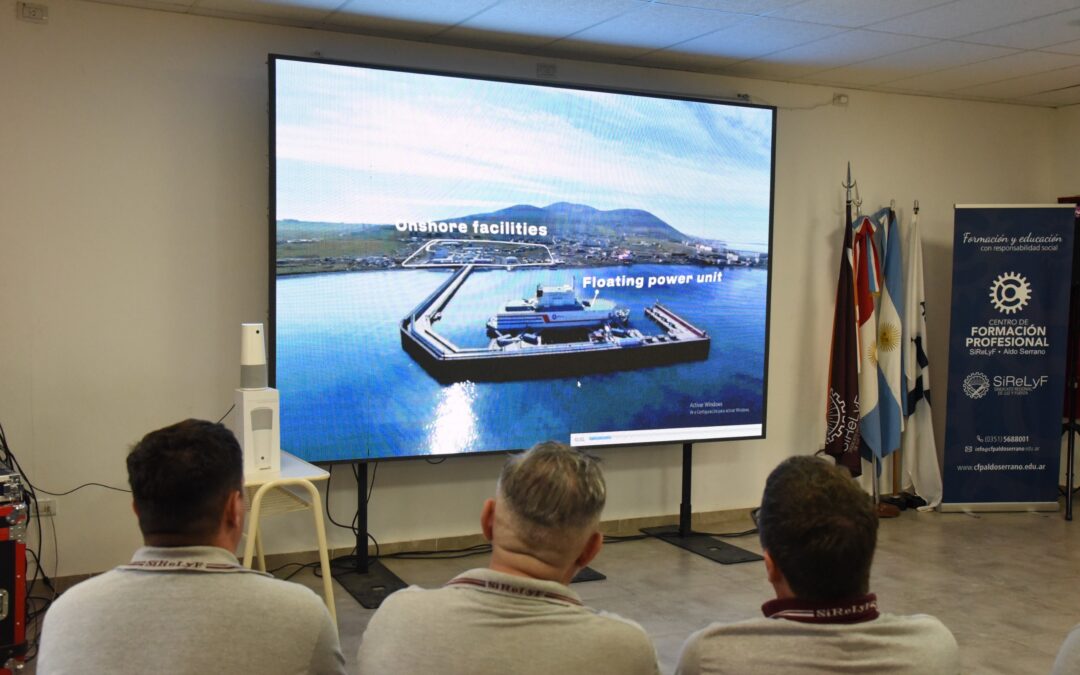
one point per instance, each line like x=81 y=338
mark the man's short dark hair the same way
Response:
x=820 y=529
x=182 y=475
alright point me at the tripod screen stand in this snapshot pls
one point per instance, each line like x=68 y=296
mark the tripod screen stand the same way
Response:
x=367 y=580
x=683 y=536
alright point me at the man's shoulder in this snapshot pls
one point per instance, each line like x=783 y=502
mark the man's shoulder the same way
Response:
x=278 y=590
x=258 y=588
x=927 y=629
x=617 y=625
x=98 y=586
x=411 y=596
x=915 y=623
x=415 y=602
x=753 y=638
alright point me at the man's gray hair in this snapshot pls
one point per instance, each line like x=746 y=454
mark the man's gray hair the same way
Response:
x=554 y=487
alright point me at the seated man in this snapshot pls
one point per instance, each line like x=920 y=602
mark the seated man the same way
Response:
x=818 y=530
x=517 y=615
x=184 y=604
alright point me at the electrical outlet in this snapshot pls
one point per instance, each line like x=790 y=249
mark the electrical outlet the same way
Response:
x=46 y=508
x=28 y=11
x=839 y=99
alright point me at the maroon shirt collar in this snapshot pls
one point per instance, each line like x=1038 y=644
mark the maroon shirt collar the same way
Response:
x=852 y=610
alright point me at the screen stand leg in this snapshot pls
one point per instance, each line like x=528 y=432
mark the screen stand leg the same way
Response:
x=587 y=574
x=683 y=536
x=366 y=579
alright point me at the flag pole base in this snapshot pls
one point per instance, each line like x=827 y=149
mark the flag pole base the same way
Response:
x=887 y=510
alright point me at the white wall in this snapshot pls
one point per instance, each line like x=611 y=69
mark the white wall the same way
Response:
x=1066 y=130
x=133 y=197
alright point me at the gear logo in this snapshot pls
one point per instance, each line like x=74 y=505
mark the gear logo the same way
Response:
x=976 y=385
x=1010 y=293
x=835 y=417
x=841 y=424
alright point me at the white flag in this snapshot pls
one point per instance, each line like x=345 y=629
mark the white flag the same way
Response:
x=921 y=469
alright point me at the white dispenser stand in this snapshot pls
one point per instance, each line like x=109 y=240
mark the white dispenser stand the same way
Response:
x=257 y=422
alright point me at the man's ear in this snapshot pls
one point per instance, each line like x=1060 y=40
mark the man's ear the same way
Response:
x=593 y=544
x=234 y=510
x=487 y=518
x=773 y=572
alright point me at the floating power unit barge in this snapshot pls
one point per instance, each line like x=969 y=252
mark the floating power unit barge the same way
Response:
x=529 y=356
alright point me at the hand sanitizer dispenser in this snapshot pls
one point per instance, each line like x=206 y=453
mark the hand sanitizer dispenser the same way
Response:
x=257 y=422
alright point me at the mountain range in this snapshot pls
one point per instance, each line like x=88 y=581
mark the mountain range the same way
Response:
x=580 y=221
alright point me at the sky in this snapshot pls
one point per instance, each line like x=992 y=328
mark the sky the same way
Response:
x=361 y=145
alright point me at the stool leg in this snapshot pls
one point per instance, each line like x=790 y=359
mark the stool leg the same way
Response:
x=324 y=555
x=259 y=548
x=253 y=523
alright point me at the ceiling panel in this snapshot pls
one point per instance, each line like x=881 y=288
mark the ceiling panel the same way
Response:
x=1070 y=96
x=765 y=69
x=964 y=17
x=755 y=7
x=1019 y=87
x=656 y=27
x=680 y=60
x=757 y=37
x=1064 y=47
x=421 y=11
x=489 y=39
x=933 y=57
x=983 y=72
x=1034 y=33
x=1020 y=51
x=306 y=12
x=551 y=19
x=853 y=13
x=592 y=51
x=847 y=48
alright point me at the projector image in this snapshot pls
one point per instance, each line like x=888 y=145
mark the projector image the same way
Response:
x=257 y=422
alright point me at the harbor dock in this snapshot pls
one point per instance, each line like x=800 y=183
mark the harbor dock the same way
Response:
x=523 y=357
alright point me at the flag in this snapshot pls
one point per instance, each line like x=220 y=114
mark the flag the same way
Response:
x=867 y=282
x=921 y=470
x=842 y=404
x=887 y=347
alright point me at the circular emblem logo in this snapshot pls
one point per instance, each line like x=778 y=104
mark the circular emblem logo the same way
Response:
x=976 y=385
x=1010 y=292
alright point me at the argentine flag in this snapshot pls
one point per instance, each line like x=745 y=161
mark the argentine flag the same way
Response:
x=887 y=348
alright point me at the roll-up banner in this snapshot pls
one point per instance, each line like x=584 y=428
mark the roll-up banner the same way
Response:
x=1012 y=267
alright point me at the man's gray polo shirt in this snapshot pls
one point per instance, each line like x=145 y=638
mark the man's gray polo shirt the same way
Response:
x=190 y=609
x=488 y=622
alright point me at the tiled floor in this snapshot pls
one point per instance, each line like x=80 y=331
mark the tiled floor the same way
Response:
x=1008 y=585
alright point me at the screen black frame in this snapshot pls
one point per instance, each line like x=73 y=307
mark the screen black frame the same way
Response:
x=271 y=327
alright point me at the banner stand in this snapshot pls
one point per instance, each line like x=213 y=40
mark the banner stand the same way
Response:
x=1012 y=273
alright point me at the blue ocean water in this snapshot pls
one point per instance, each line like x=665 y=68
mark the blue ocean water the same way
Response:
x=349 y=390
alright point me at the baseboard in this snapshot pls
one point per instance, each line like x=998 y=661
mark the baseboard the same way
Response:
x=732 y=520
